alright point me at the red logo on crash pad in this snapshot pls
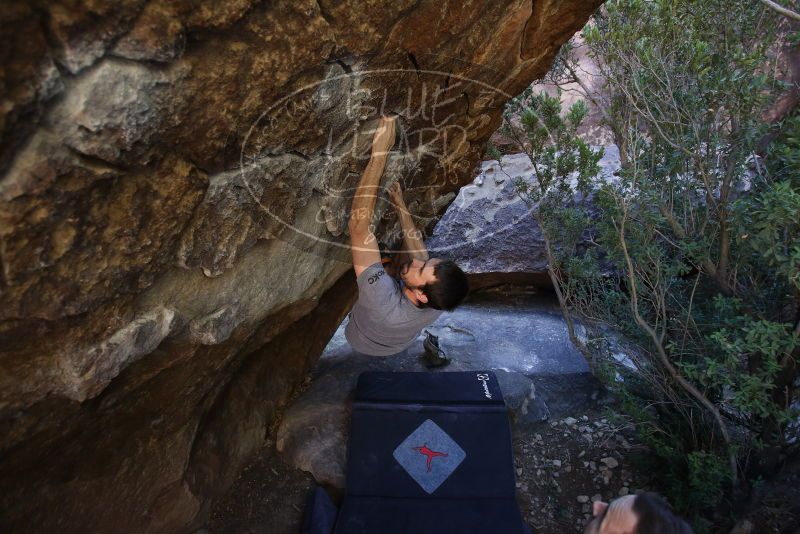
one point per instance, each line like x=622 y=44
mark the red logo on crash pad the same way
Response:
x=429 y=454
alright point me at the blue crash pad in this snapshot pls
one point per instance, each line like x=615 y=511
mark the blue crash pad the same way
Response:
x=429 y=453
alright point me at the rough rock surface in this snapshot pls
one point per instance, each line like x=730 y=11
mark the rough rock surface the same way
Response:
x=489 y=230
x=483 y=334
x=174 y=183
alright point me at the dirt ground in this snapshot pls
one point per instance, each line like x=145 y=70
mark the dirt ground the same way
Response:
x=268 y=497
x=567 y=463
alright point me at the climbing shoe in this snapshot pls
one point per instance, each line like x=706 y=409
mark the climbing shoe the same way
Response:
x=434 y=355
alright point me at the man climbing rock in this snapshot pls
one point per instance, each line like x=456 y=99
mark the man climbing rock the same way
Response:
x=393 y=308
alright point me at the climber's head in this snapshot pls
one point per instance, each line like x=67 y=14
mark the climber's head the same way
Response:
x=436 y=283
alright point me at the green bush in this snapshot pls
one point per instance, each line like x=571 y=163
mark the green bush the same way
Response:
x=703 y=235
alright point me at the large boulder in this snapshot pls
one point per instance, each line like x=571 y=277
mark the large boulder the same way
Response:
x=176 y=176
x=491 y=232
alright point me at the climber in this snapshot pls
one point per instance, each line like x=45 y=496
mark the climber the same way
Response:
x=393 y=308
x=636 y=514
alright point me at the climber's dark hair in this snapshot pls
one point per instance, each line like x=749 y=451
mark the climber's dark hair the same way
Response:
x=655 y=516
x=449 y=289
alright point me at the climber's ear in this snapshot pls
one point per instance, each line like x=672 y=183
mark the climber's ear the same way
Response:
x=421 y=296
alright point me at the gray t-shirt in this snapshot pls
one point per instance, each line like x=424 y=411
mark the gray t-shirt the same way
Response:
x=383 y=321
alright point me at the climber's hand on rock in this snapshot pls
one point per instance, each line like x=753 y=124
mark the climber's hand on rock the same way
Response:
x=384 y=136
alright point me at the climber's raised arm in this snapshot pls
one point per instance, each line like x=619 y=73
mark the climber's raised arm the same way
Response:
x=363 y=244
x=413 y=244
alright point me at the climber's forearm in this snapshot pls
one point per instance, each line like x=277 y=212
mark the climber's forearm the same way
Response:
x=363 y=206
x=412 y=237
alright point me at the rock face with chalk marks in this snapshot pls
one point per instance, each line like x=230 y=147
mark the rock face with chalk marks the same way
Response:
x=174 y=184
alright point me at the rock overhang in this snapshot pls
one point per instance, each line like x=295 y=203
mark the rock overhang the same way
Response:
x=156 y=256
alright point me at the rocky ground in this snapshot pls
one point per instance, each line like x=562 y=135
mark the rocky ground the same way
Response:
x=569 y=462
x=570 y=445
